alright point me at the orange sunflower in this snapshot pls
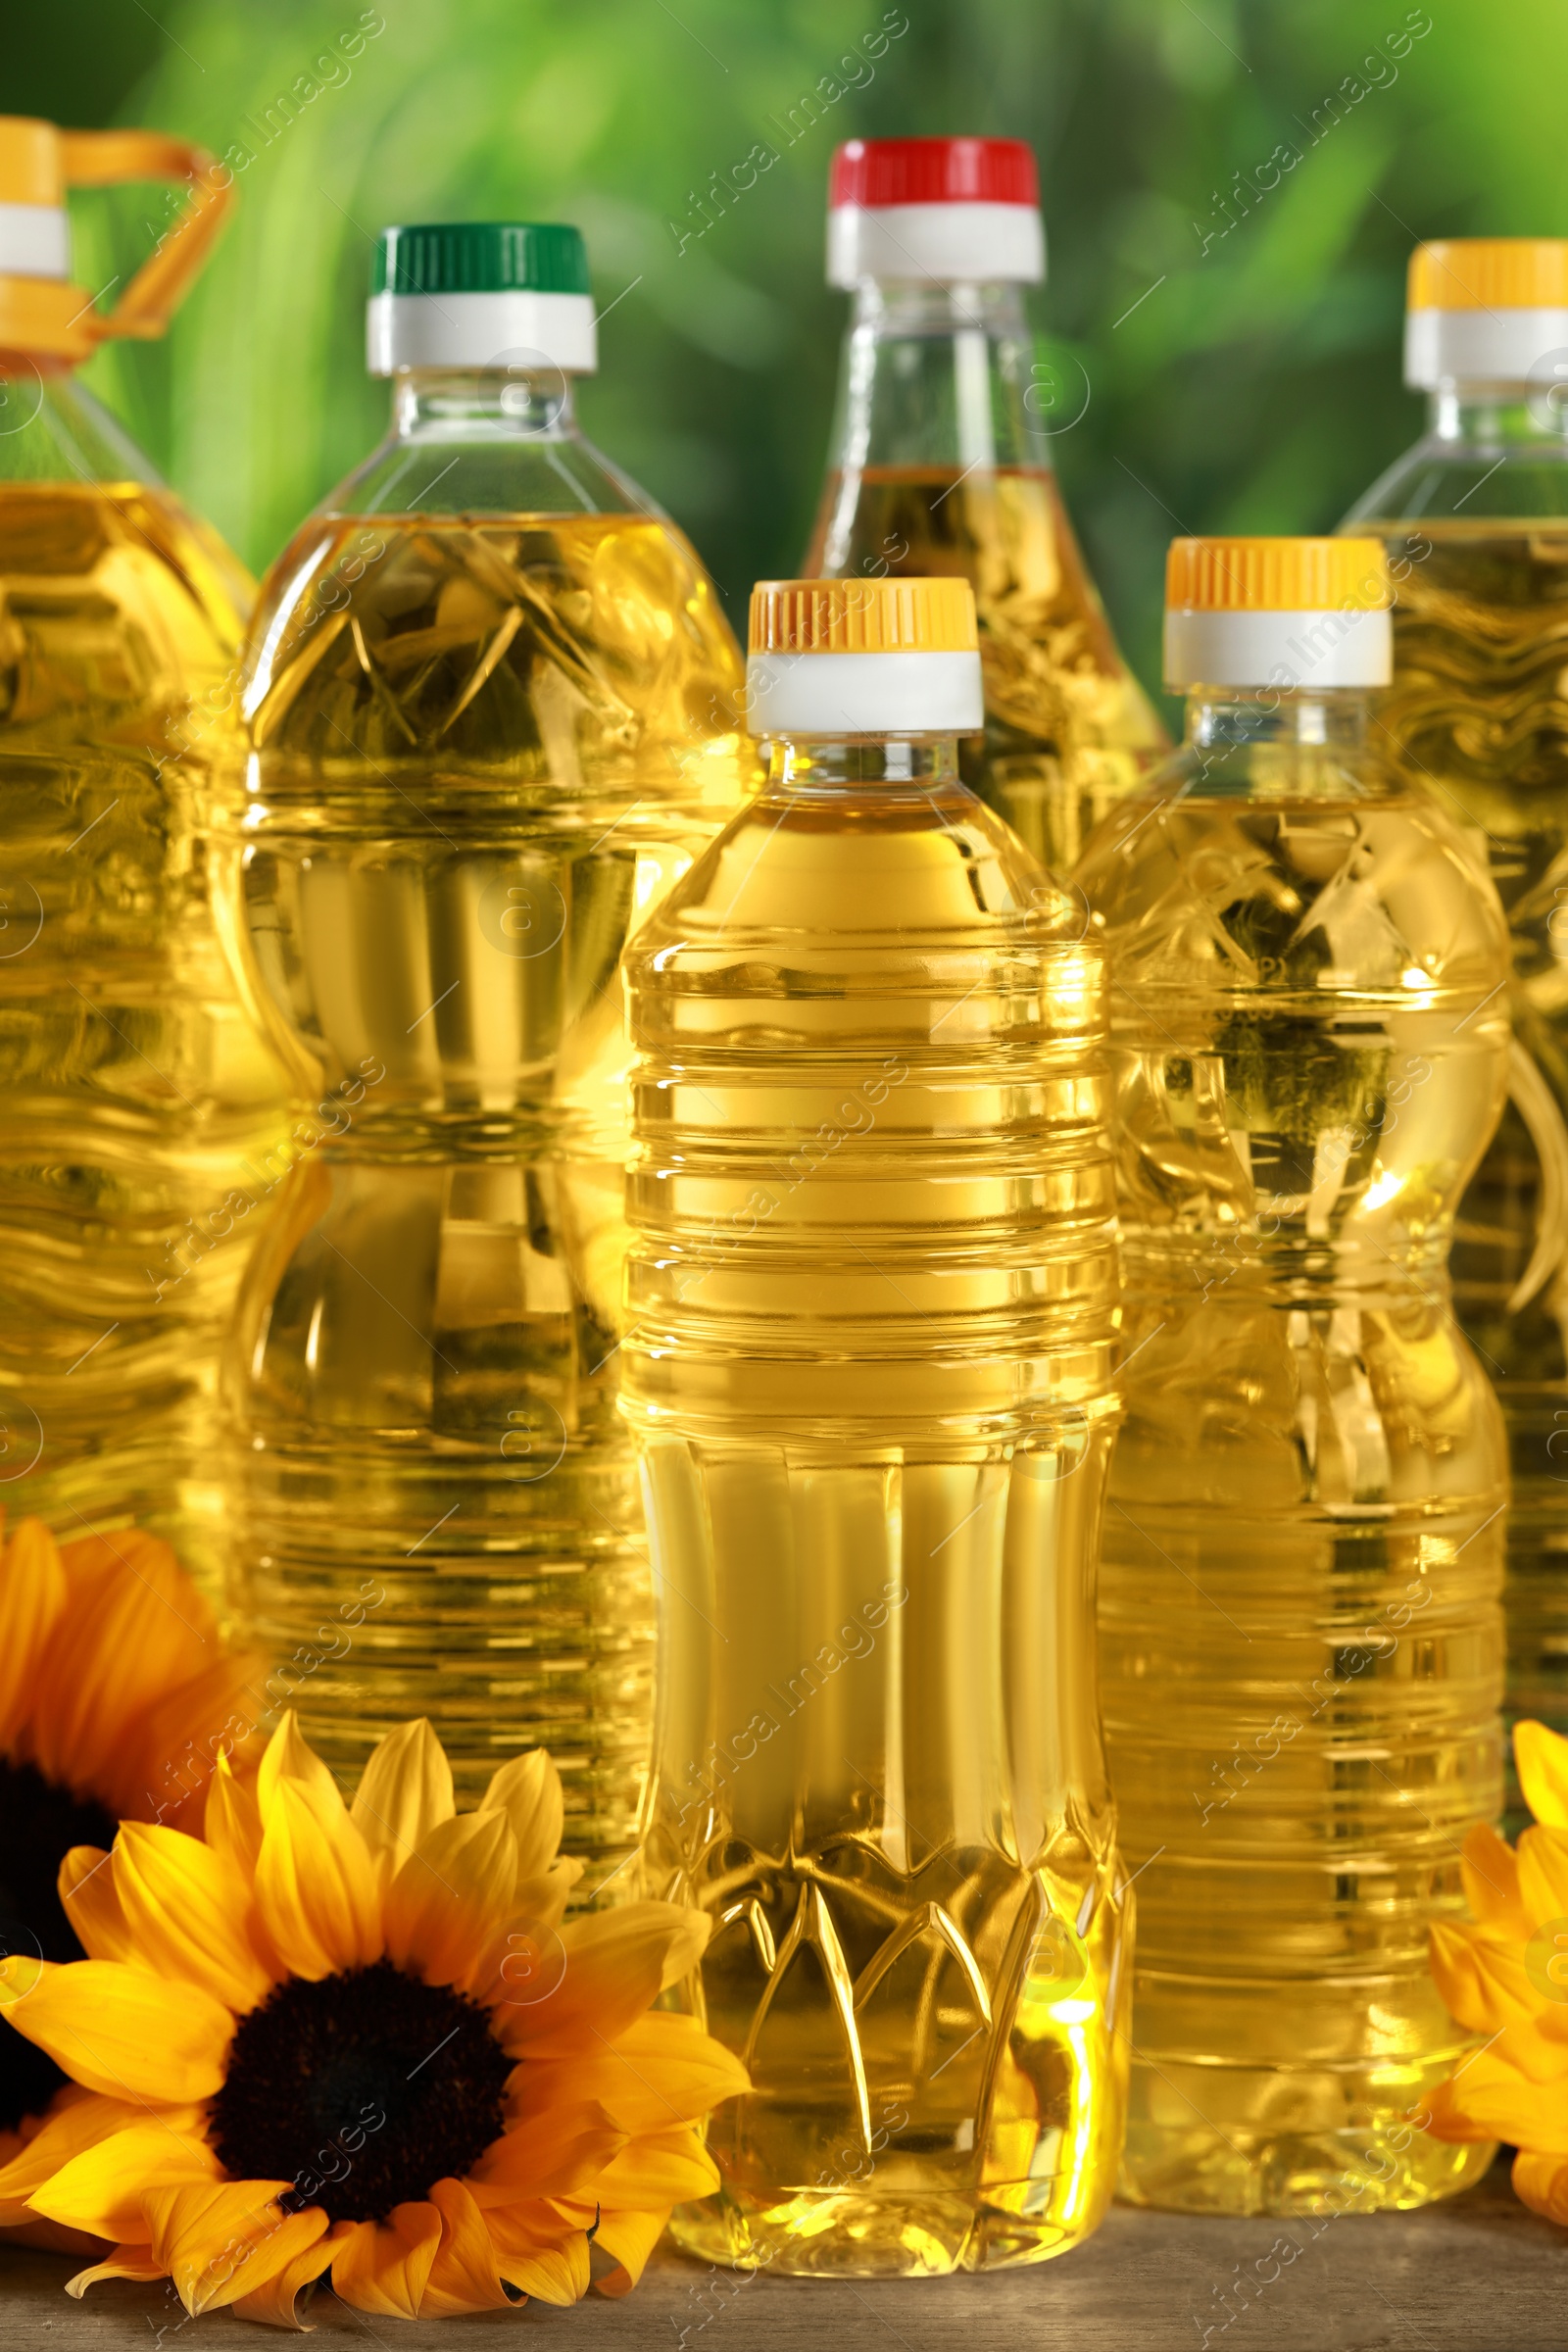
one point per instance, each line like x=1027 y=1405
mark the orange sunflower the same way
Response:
x=116 y=1695
x=1506 y=1976
x=317 y=2041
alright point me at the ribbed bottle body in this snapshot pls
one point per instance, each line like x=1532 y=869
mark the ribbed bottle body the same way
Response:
x=1476 y=716
x=144 y=1075
x=1301 y=1631
x=483 y=747
x=872 y=1292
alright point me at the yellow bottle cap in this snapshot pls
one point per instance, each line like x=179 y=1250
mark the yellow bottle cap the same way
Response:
x=1490 y=274
x=855 y=656
x=1276 y=575
x=1288 y=613
x=1487 y=311
x=863 y=617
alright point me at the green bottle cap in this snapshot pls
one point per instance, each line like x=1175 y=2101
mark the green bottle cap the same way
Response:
x=480 y=257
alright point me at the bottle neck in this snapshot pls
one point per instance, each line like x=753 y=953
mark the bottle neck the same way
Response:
x=941 y=376
x=1498 y=418
x=822 y=763
x=1221 y=718
x=483 y=404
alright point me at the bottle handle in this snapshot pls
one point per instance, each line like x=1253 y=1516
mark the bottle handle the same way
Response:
x=1537 y=1106
x=101 y=159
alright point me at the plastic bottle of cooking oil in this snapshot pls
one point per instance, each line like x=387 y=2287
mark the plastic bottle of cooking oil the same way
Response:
x=1475 y=519
x=872 y=1285
x=491 y=708
x=941 y=463
x=1300 y=1630
x=137 y=1071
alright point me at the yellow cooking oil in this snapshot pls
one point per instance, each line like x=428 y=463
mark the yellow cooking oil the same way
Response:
x=1068 y=730
x=871 y=1295
x=146 y=1080
x=1300 y=1630
x=483 y=747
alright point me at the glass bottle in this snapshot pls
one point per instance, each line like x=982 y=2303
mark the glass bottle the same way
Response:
x=1475 y=521
x=1300 y=1630
x=871 y=1300
x=143 y=1071
x=941 y=463
x=490 y=698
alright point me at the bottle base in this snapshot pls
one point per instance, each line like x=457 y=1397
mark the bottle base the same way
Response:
x=1357 y=2169
x=833 y=2234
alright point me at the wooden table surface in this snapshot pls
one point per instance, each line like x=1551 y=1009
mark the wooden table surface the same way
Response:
x=1477 y=2274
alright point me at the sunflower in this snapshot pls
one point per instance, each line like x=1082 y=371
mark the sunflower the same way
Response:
x=116 y=1695
x=1506 y=1976
x=316 y=2039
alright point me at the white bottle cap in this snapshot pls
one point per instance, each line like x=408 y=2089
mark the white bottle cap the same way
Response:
x=35 y=241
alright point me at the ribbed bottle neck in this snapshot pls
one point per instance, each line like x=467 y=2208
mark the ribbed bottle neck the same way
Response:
x=462 y=404
x=938 y=376
x=1223 y=719
x=827 y=764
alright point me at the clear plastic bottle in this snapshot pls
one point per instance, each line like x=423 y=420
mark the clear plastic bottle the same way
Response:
x=491 y=706
x=1301 y=1631
x=872 y=1287
x=1475 y=519
x=142 y=1070
x=941 y=464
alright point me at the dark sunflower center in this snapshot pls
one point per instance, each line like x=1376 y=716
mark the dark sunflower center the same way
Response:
x=364 y=2089
x=39 y=1824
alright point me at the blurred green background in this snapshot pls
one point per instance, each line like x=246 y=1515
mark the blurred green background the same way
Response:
x=1254 y=386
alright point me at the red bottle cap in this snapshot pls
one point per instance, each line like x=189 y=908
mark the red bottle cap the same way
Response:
x=949 y=211
x=882 y=171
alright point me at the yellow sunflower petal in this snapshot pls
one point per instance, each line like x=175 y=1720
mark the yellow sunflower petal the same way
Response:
x=449 y=1900
x=541 y=2256
x=1483 y=1986
x=133 y=1628
x=527 y=1789
x=32 y=1595
x=1544 y=1875
x=102 y=2189
x=1489 y=2099
x=558 y=2153
x=125 y=2261
x=222 y=2239
x=232 y=1824
x=1490 y=1870
x=615 y=1967
x=663 y=2070
x=87 y=1890
x=1541 y=1757
x=405 y=1792
x=464 y=2276
x=630 y=2238
x=77 y=2118
x=275 y=2304
x=542 y=1900
x=185 y=1905
x=119 y=2030
x=666 y=2169
x=289 y=1757
x=316 y=1894
x=163 y=1762
x=383 y=2266
x=1541 y=2184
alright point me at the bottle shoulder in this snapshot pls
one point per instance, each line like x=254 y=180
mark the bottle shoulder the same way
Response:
x=566 y=655
x=1440 y=480
x=1359 y=886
